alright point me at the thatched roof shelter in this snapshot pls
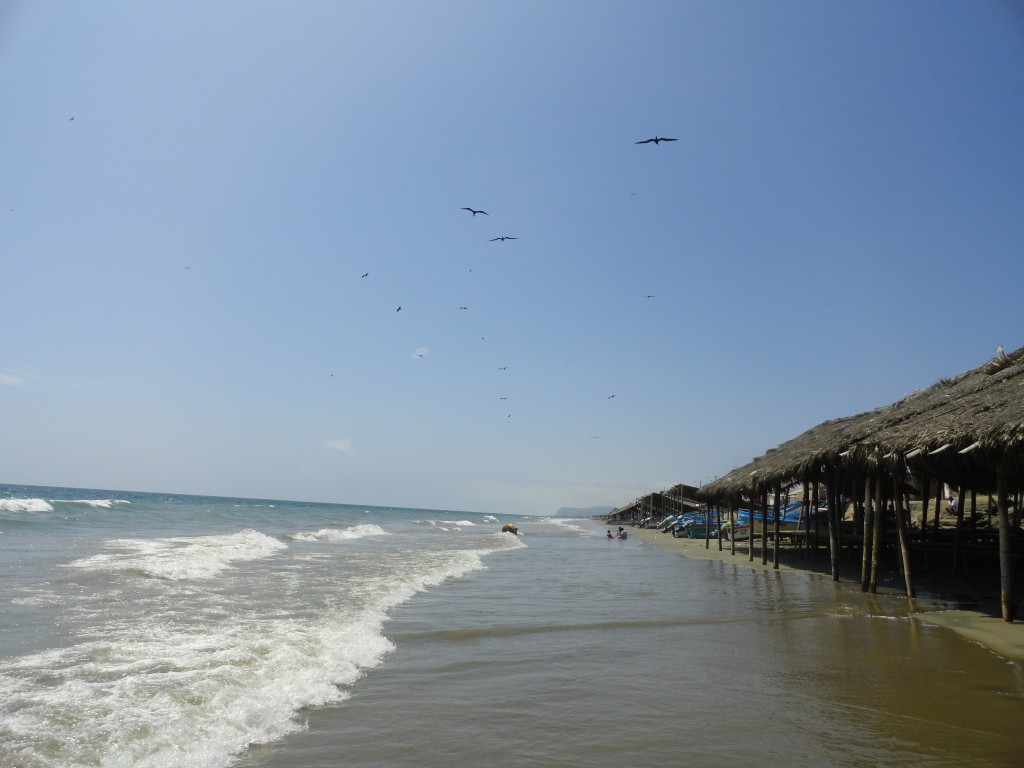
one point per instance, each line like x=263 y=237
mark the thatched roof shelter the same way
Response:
x=959 y=429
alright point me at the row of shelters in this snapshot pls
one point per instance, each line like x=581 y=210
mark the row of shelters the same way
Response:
x=964 y=432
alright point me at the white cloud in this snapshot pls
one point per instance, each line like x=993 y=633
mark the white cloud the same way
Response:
x=341 y=445
x=9 y=380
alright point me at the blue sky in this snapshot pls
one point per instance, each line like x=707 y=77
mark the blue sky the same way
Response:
x=192 y=191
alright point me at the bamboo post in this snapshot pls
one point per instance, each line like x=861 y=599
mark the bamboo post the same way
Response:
x=806 y=543
x=866 y=548
x=750 y=528
x=817 y=519
x=1005 y=552
x=833 y=524
x=957 y=532
x=732 y=528
x=901 y=532
x=775 y=510
x=718 y=525
x=876 y=535
x=764 y=529
x=926 y=496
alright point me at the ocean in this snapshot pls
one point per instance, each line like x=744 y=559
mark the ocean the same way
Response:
x=157 y=630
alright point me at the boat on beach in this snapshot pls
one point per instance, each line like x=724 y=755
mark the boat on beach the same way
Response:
x=793 y=520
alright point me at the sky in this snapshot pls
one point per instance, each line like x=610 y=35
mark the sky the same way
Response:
x=211 y=213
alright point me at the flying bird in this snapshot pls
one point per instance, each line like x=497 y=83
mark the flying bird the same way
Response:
x=485 y=213
x=463 y=307
x=656 y=140
x=503 y=238
x=366 y=274
x=505 y=368
x=398 y=310
x=610 y=396
x=650 y=295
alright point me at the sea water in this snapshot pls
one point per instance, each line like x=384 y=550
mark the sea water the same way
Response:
x=166 y=630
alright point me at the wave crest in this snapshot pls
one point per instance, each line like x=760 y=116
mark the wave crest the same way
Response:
x=183 y=558
x=98 y=503
x=341 y=534
x=25 y=505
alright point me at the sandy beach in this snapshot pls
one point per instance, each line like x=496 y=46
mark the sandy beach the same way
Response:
x=981 y=624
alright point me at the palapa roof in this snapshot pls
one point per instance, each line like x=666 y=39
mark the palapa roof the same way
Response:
x=958 y=429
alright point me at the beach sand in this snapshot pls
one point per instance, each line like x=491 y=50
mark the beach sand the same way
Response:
x=980 y=623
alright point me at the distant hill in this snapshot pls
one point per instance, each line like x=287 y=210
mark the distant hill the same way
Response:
x=582 y=511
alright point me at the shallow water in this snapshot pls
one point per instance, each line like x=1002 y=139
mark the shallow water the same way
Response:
x=138 y=630
x=579 y=651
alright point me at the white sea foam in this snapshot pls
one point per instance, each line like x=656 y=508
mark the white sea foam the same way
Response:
x=177 y=559
x=166 y=698
x=341 y=534
x=25 y=505
x=444 y=524
x=562 y=522
x=98 y=503
x=164 y=694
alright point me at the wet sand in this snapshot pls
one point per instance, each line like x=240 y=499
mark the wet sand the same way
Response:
x=976 y=619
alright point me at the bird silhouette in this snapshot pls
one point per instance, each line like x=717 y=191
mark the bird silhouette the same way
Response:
x=366 y=274
x=610 y=396
x=503 y=238
x=505 y=368
x=656 y=140
x=398 y=310
x=485 y=213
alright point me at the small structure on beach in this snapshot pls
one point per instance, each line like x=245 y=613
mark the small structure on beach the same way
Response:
x=676 y=500
x=965 y=432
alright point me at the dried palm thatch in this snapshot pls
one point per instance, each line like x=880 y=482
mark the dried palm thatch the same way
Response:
x=958 y=429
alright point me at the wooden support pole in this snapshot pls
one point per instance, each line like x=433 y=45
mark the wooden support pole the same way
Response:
x=833 y=524
x=732 y=528
x=750 y=527
x=957 y=556
x=764 y=529
x=805 y=543
x=866 y=541
x=901 y=531
x=926 y=495
x=1005 y=552
x=878 y=531
x=775 y=508
x=817 y=519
